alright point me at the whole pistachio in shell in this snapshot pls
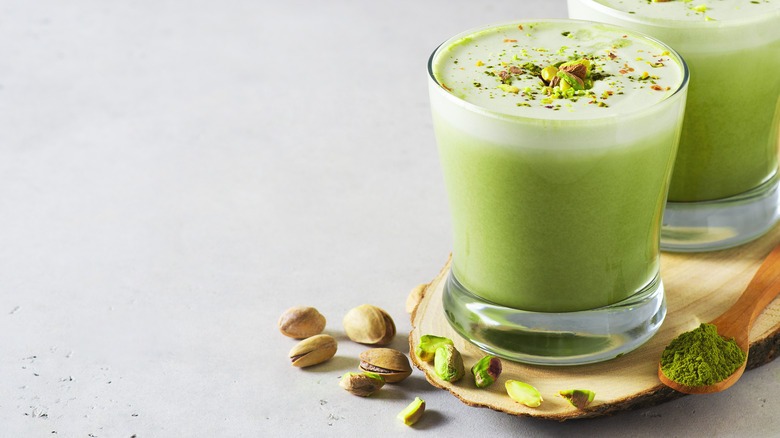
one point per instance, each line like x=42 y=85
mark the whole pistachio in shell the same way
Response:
x=313 y=350
x=388 y=363
x=414 y=297
x=301 y=322
x=370 y=325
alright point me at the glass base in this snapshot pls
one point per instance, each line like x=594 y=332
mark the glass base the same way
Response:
x=722 y=223
x=567 y=338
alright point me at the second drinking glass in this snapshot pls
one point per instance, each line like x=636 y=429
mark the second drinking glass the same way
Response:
x=724 y=188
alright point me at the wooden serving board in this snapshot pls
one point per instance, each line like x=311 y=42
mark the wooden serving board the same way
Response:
x=699 y=287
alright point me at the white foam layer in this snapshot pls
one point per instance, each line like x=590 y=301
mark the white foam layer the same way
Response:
x=695 y=10
x=637 y=72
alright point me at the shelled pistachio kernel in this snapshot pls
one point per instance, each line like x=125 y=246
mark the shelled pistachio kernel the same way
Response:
x=313 y=350
x=523 y=393
x=367 y=324
x=426 y=349
x=413 y=412
x=548 y=73
x=388 y=363
x=448 y=364
x=301 y=322
x=362 y=384
x=579 y=398
x=486 y=371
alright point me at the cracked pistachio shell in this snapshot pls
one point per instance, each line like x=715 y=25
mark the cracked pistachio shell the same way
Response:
x=362 y=384
x=370 y=325
x=579 y=398
x=301 y=322
x=413 y=412
x=313 y=350
x=388 y=363
x=448 y=364
x=523 y=393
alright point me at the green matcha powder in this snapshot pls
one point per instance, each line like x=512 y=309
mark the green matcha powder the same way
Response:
x=701 y=357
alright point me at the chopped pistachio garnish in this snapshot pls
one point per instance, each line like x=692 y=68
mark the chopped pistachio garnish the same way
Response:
x=509 y=88
x=527 y=75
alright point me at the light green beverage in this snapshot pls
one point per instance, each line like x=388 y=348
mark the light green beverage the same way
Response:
x=724 y=185
x=556 y=191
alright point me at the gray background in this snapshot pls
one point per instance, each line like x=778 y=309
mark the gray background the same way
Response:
x=174 y=175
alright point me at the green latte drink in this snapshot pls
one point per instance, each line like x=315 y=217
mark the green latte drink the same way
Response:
x=724 y=184
x=556 y=141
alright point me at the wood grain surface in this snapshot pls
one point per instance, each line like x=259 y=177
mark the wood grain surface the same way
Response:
x=699 y=287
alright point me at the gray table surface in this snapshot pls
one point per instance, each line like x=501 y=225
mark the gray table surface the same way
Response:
x=174 y=175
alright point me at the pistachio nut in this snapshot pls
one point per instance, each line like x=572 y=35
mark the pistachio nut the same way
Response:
x=414 y=297
x=426 y=349
x=313 y=350
x=548 y=73
x=370 y=325
x=571 y=80
x=362 y=384
x=486 y=371
x=578 y=70
x=413 y=412
x=563 y=84
x=523 y=393
x=301 y=322
x=448 y=364
x=579 y=398
x=388 y=363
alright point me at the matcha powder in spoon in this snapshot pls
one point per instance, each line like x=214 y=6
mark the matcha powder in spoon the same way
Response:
x=701 y=357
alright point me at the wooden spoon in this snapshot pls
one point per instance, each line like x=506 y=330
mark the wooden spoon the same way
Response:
x=738 y=319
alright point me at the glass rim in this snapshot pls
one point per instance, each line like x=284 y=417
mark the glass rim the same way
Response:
x=503 y=115
x=669 y=22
